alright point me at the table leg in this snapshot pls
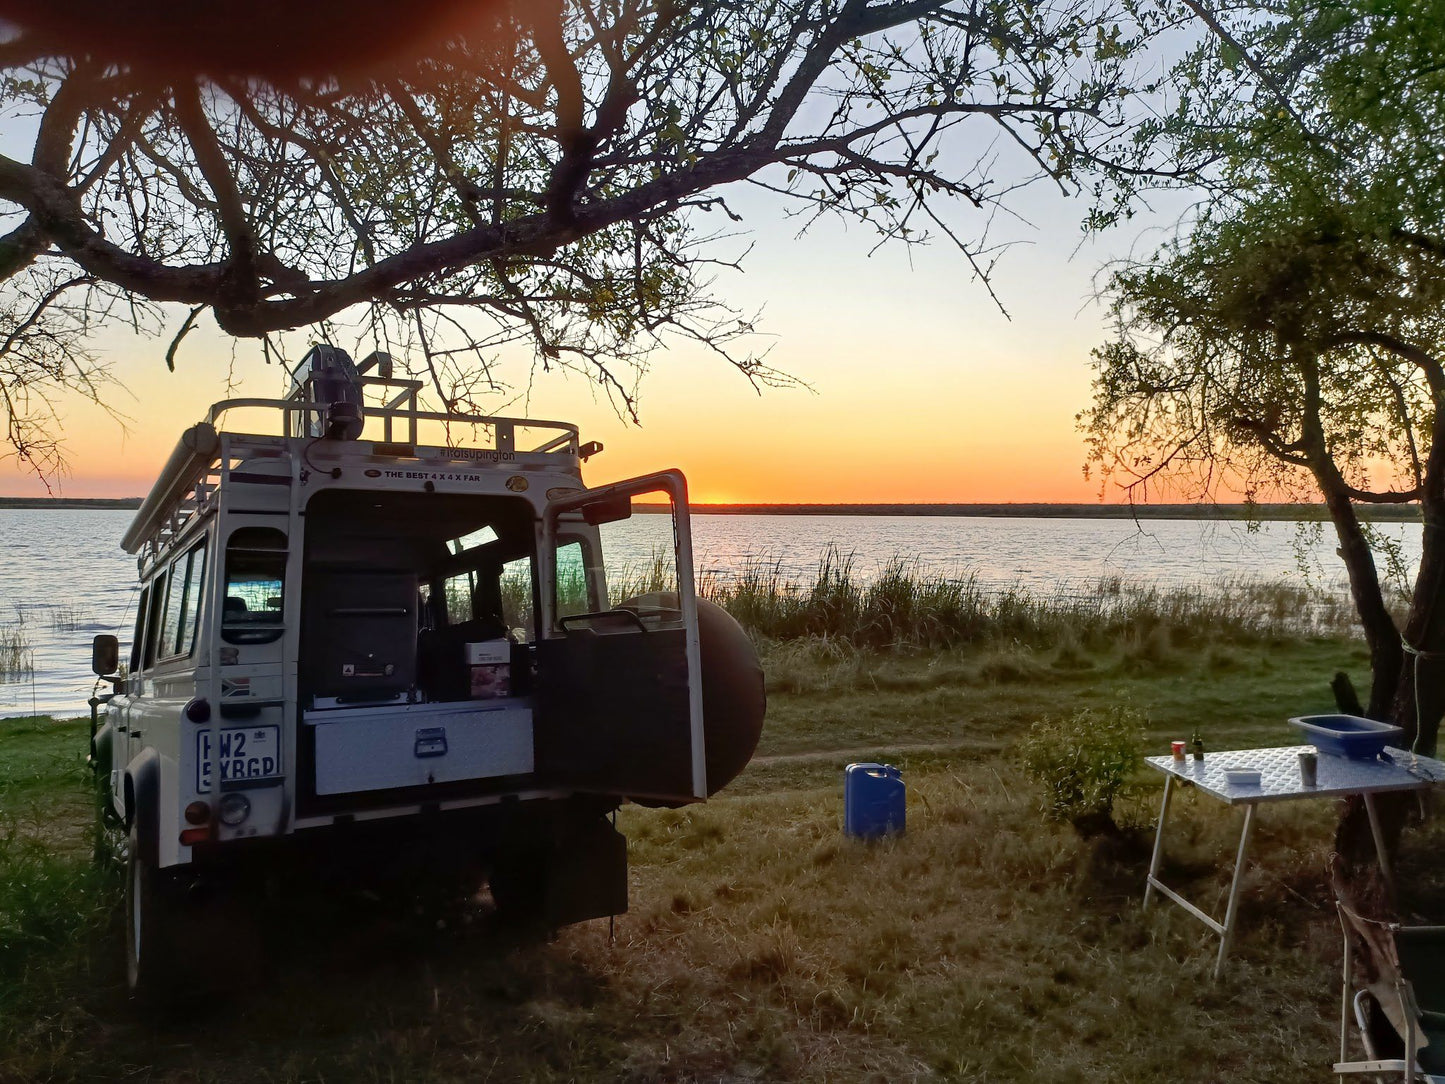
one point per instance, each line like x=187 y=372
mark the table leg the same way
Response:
x=1233 y=905
x=1158 y=839
x=1379 y=835
x=1345 y=990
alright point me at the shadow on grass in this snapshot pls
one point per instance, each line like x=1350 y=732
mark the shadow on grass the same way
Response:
x=345 y=985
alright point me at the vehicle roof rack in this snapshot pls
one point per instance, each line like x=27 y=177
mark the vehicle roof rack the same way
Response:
x=394 y=416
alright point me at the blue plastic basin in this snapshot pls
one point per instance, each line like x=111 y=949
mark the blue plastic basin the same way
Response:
x=1347 y=735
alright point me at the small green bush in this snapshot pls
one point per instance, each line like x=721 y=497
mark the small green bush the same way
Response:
x=1082 y=763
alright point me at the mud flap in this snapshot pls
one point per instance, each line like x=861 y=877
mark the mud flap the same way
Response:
x=580 y=877
x=589 y=876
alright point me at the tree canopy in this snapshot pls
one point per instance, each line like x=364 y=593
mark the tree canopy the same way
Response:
x=1291 y=335
x=556 y=177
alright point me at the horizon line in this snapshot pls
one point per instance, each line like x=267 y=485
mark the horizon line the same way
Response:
x=1022 y=509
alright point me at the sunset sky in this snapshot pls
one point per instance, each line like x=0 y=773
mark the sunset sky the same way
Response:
x=921 y=390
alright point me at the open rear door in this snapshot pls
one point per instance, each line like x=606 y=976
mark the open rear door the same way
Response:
x=619 y=689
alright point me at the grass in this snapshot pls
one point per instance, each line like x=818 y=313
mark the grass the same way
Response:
x=64 y=616
x=17 y=661
x=985 y=944
x=904 y=607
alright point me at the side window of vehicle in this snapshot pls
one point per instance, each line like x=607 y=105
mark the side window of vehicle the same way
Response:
x=175 y=609
x=572 y=588
x=137 y=644
x=252 y=605
x=517 y=610
x=191 y=606
x=183 y=603
x=458 y=591
x=153 y=619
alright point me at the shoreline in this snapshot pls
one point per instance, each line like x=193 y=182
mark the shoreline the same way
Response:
x=1039 y=510
x=70 y=502
x=1242 y=512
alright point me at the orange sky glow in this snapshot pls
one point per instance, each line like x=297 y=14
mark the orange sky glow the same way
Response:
x=919 y=389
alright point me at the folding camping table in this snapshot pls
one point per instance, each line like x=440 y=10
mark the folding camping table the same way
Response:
x=1279 y=781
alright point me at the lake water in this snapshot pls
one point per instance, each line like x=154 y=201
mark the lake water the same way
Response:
x=64 y=577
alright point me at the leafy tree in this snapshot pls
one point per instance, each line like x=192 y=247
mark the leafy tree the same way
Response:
x=1292 y=336
x=552 y=179
x=1295 y=355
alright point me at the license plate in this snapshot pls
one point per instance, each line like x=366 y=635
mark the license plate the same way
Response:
x=247 y=752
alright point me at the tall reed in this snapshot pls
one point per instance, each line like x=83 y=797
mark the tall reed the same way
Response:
x=906 y=607
x=17 y=659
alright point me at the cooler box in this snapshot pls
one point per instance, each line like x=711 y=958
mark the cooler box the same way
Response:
x=874 y=800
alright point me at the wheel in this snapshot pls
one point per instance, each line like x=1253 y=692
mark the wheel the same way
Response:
x=184 y=938
x=151 y=914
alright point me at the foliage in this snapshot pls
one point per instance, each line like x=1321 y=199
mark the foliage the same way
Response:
x=47 y=902
x=1291 y=337
x=1082 y=763
x=553 y=176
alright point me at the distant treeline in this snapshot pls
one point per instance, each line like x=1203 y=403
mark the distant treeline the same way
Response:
x=1066 y=511
x=1388 y=512
x=70 y=502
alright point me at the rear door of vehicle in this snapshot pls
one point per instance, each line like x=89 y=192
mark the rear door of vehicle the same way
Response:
x=619 y=689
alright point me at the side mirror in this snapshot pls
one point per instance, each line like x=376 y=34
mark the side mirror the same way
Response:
x=607 y=510
x=104 y=655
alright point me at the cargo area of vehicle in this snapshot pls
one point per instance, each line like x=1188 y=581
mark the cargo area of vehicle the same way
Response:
x=416 y=657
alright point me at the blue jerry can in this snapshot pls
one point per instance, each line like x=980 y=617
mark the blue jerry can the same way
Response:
x=874 y=800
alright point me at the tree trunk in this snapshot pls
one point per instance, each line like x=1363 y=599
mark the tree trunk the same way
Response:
x=1354 y=867
x=1381 y=636
x=1419 y=699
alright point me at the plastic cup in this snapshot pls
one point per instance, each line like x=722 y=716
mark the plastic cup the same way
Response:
x=1177 y=749
x=1309 y=765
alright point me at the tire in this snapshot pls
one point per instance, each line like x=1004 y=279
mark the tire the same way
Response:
x=151 y=915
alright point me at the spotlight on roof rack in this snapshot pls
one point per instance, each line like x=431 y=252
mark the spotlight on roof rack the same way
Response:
x=327 y=378
x=343 y=421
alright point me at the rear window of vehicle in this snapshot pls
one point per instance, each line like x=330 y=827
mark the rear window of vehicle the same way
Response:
x=255 y=586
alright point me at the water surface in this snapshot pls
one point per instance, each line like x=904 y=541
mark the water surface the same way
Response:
x=64 y=576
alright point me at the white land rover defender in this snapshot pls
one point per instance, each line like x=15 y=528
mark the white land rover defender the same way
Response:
x=358 y=647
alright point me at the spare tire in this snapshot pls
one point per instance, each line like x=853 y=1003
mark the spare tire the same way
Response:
x=734 y=700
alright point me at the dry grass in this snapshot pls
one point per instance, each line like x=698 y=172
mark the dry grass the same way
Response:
x=984 y=945
x=979 y=946
x=763 y=946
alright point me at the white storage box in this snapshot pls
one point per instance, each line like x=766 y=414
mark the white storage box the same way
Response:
x=489 y=653
x=490 y=666
x=359 y=749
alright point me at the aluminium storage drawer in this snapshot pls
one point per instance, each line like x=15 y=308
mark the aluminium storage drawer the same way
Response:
x=411 y=745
